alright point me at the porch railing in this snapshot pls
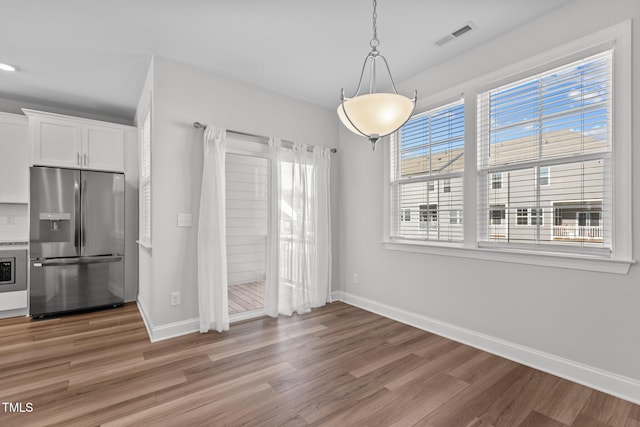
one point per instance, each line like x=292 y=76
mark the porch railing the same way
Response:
x=578 y=232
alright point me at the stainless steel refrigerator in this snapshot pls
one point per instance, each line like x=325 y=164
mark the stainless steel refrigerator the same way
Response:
x=76 y=240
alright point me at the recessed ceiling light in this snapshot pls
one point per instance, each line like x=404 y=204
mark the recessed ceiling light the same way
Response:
x=7 y=67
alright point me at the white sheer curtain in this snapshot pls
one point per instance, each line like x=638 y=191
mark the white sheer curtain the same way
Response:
x=212 y=245
x=300 y=240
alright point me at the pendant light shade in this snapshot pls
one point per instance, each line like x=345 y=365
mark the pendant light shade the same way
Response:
x=375 y=114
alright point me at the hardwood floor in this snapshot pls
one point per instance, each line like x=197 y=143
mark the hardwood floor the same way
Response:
x=246 y=297
x=335 y=366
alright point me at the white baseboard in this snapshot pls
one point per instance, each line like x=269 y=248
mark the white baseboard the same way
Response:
x=19 y=312
x=170 y=330
x=599 y=379
x=145 y=318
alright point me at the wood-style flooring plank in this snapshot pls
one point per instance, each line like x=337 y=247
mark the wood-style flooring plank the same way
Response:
x=334 y=366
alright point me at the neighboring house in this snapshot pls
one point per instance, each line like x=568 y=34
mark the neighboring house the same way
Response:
x=568 y=206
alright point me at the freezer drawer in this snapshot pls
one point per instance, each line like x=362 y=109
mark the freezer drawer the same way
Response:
x=69 y=284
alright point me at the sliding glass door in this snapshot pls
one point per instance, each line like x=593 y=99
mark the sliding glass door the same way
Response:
x=247 y=209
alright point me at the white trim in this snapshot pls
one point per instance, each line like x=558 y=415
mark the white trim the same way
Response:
x=5 y=314
x=246 y=315
x=599 y=379
x=545 y=259
x=338 y=296
x=175 y=329
x=29 y=113
x=145 y=318
x=143 y=244
x=169 y=330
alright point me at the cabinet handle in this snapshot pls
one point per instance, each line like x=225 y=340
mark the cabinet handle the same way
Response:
x=85 y=159
x=78 y=158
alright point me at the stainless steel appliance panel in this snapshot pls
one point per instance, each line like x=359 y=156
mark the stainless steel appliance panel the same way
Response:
x=68 y=284
x=54 y=219
x=13 y=270
x=102 y=207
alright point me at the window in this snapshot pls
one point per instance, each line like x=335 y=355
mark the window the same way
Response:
x=428 y=215
x=537 y=216
x=145 y=181
x=455 y=216
x=496 y=181
x=446 y=186
x=427 y=166
x=560 y=117
x=522 y=217
x=544 y=175
x=567 y=113
x=497 y=214
x=405 y=215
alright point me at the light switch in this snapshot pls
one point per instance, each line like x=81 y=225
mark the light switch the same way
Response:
x=184 y=220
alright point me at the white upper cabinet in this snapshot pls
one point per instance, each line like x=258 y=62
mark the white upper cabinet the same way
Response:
x=71 y=142
x=103 y=148
x=14 y=159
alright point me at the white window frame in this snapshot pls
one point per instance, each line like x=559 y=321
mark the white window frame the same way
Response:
x=145 y=180
x=522 y=213
x=539 y=176
x=431 y=179
x=496 y=181
x=620 y=259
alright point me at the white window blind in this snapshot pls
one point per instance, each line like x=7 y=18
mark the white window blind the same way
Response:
x=145 y=181
x=427 y=166
x=549 y=139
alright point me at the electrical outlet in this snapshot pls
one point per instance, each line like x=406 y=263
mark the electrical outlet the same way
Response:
x=175 y=298
x=11 y=220
x=356 y=278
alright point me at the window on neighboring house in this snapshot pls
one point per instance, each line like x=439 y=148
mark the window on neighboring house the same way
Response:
x=428 y=215
x=559 y=118
x=455 y=216
x=522 y=217
x=497 y=214
x=496 y=181
x=589 y=219
x=446 y=186
x=145 y=181
x=544 y=177
x=405 y=215
x=536 y=216
x=427 y=167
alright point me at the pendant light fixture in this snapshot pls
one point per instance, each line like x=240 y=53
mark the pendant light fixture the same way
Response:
x=375 y=114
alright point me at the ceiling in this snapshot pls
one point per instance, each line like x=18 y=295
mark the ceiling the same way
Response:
x=93 y=56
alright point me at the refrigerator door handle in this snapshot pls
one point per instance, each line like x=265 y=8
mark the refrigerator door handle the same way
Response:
x=83 y=209
x=78 y=261
x=76 y=195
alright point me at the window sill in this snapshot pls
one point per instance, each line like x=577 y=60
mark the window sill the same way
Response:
x=544 y=259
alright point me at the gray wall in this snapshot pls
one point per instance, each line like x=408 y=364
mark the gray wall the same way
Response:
x=587 y=317
x=183 y=94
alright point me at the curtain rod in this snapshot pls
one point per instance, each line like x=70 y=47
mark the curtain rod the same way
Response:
x=199 y=125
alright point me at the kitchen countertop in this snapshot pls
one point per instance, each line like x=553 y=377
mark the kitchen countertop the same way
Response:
x=13 y=244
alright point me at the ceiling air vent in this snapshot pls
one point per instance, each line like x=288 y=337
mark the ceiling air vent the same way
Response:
x=455 y=34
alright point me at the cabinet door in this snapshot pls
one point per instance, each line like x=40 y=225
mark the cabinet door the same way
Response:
x=56 y=143
x=14 y=159
x=103 y=148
